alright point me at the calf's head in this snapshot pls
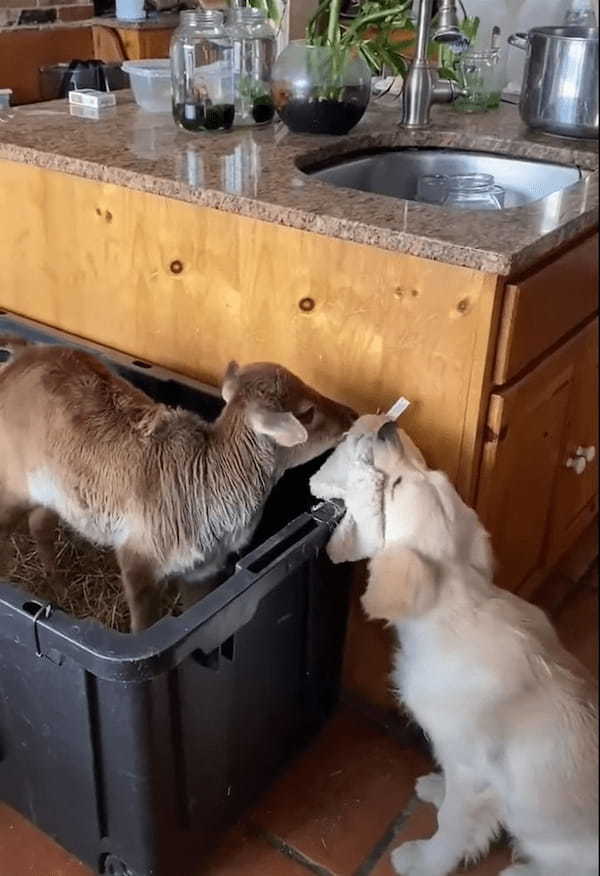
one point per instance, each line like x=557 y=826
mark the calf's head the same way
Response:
x=276 y=404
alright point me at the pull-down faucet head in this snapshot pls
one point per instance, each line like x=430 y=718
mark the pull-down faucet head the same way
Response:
x=447 y=29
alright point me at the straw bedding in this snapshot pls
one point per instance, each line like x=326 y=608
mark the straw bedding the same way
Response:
x=87 y=583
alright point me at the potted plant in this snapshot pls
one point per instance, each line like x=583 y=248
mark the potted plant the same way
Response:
x=322 y=84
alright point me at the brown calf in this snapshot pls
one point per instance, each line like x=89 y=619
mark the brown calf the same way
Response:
x=166 y=490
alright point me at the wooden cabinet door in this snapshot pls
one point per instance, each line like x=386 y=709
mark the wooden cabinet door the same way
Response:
x=522 y=451
x=545 y=306
x=574 y=501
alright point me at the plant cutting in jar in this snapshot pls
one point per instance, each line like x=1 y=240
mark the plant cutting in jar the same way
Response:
x=255 y=94
x=322 y=84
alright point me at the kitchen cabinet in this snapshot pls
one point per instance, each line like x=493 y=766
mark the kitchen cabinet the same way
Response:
x=537 y=488
x=24 y=50
x=501 y=371
x=534 y=489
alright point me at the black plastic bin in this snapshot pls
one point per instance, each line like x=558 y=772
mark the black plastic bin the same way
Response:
x=134 y=751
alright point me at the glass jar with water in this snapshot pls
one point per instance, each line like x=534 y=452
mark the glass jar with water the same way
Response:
x=253 y=41
x=483 y=74
x=465 y=191
x=202 y=72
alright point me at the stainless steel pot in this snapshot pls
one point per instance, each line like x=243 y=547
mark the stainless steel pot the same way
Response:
x=560 y=81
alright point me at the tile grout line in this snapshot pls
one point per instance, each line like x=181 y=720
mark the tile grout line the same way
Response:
x=390 y=834
x=294 y=854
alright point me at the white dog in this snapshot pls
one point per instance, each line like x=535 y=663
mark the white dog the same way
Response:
x=511 y=715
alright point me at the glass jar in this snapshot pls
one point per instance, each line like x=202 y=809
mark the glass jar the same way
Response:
x=202 y=72
x=466 y=191
x=483 y=74
x=580 y=13
x=253 y=41
x=320 y=89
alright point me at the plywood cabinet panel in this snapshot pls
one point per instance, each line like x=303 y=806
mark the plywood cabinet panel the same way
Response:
x=139 y=43
x=544 y=307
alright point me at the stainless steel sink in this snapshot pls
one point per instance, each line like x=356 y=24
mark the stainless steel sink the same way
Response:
x=395 y=173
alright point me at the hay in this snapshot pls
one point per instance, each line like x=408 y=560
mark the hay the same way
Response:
x=87 y=583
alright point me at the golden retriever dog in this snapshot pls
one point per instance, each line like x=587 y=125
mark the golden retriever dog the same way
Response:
x=511 y=716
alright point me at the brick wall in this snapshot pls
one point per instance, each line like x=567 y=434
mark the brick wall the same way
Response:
x=22 y=13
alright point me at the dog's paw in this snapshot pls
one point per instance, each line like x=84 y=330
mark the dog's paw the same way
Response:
x=409 y=859
x=406 y=857
x=520 y=870
x=431 y=789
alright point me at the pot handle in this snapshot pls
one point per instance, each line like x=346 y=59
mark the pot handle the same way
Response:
x=519 y=41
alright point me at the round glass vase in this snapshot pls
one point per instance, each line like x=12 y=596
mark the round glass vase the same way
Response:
x=320 y=89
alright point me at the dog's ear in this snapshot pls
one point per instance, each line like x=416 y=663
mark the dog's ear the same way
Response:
x=402 y=584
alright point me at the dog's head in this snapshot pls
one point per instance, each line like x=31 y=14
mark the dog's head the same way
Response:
x=427 y=528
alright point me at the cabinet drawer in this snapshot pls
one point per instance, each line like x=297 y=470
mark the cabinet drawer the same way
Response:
x=544 y=307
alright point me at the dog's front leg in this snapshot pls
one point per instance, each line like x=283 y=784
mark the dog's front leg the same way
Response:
x=468 y=819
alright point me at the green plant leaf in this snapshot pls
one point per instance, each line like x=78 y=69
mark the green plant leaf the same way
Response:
x=448 y=73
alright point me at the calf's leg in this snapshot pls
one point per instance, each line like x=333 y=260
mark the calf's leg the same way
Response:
x=11 y=512
x=42 y=526
x=205 y=578
x=141 y=584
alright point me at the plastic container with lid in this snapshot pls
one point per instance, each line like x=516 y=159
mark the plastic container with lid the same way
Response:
x=466 y=191
x=253 y=56
x=202 y=72
x=151 y=83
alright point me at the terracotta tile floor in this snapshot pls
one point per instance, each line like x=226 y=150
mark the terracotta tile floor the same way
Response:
x=338 y=811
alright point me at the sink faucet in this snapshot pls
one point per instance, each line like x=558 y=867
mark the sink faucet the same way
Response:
x=422 y=88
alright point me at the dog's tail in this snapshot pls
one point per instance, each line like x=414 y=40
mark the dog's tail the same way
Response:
x=11 y=347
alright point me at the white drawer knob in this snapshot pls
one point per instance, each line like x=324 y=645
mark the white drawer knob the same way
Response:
x=578 y=463
x=588 y=453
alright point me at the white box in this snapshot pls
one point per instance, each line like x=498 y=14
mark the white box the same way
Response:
x=89 y=97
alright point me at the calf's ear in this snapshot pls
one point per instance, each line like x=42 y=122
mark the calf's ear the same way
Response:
x=281 y=426
x=230 y=381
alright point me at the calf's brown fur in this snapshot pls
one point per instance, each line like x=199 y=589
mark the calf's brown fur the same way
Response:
x=167 y=490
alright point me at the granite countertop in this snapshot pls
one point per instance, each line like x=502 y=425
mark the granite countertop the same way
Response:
x=256 y=173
